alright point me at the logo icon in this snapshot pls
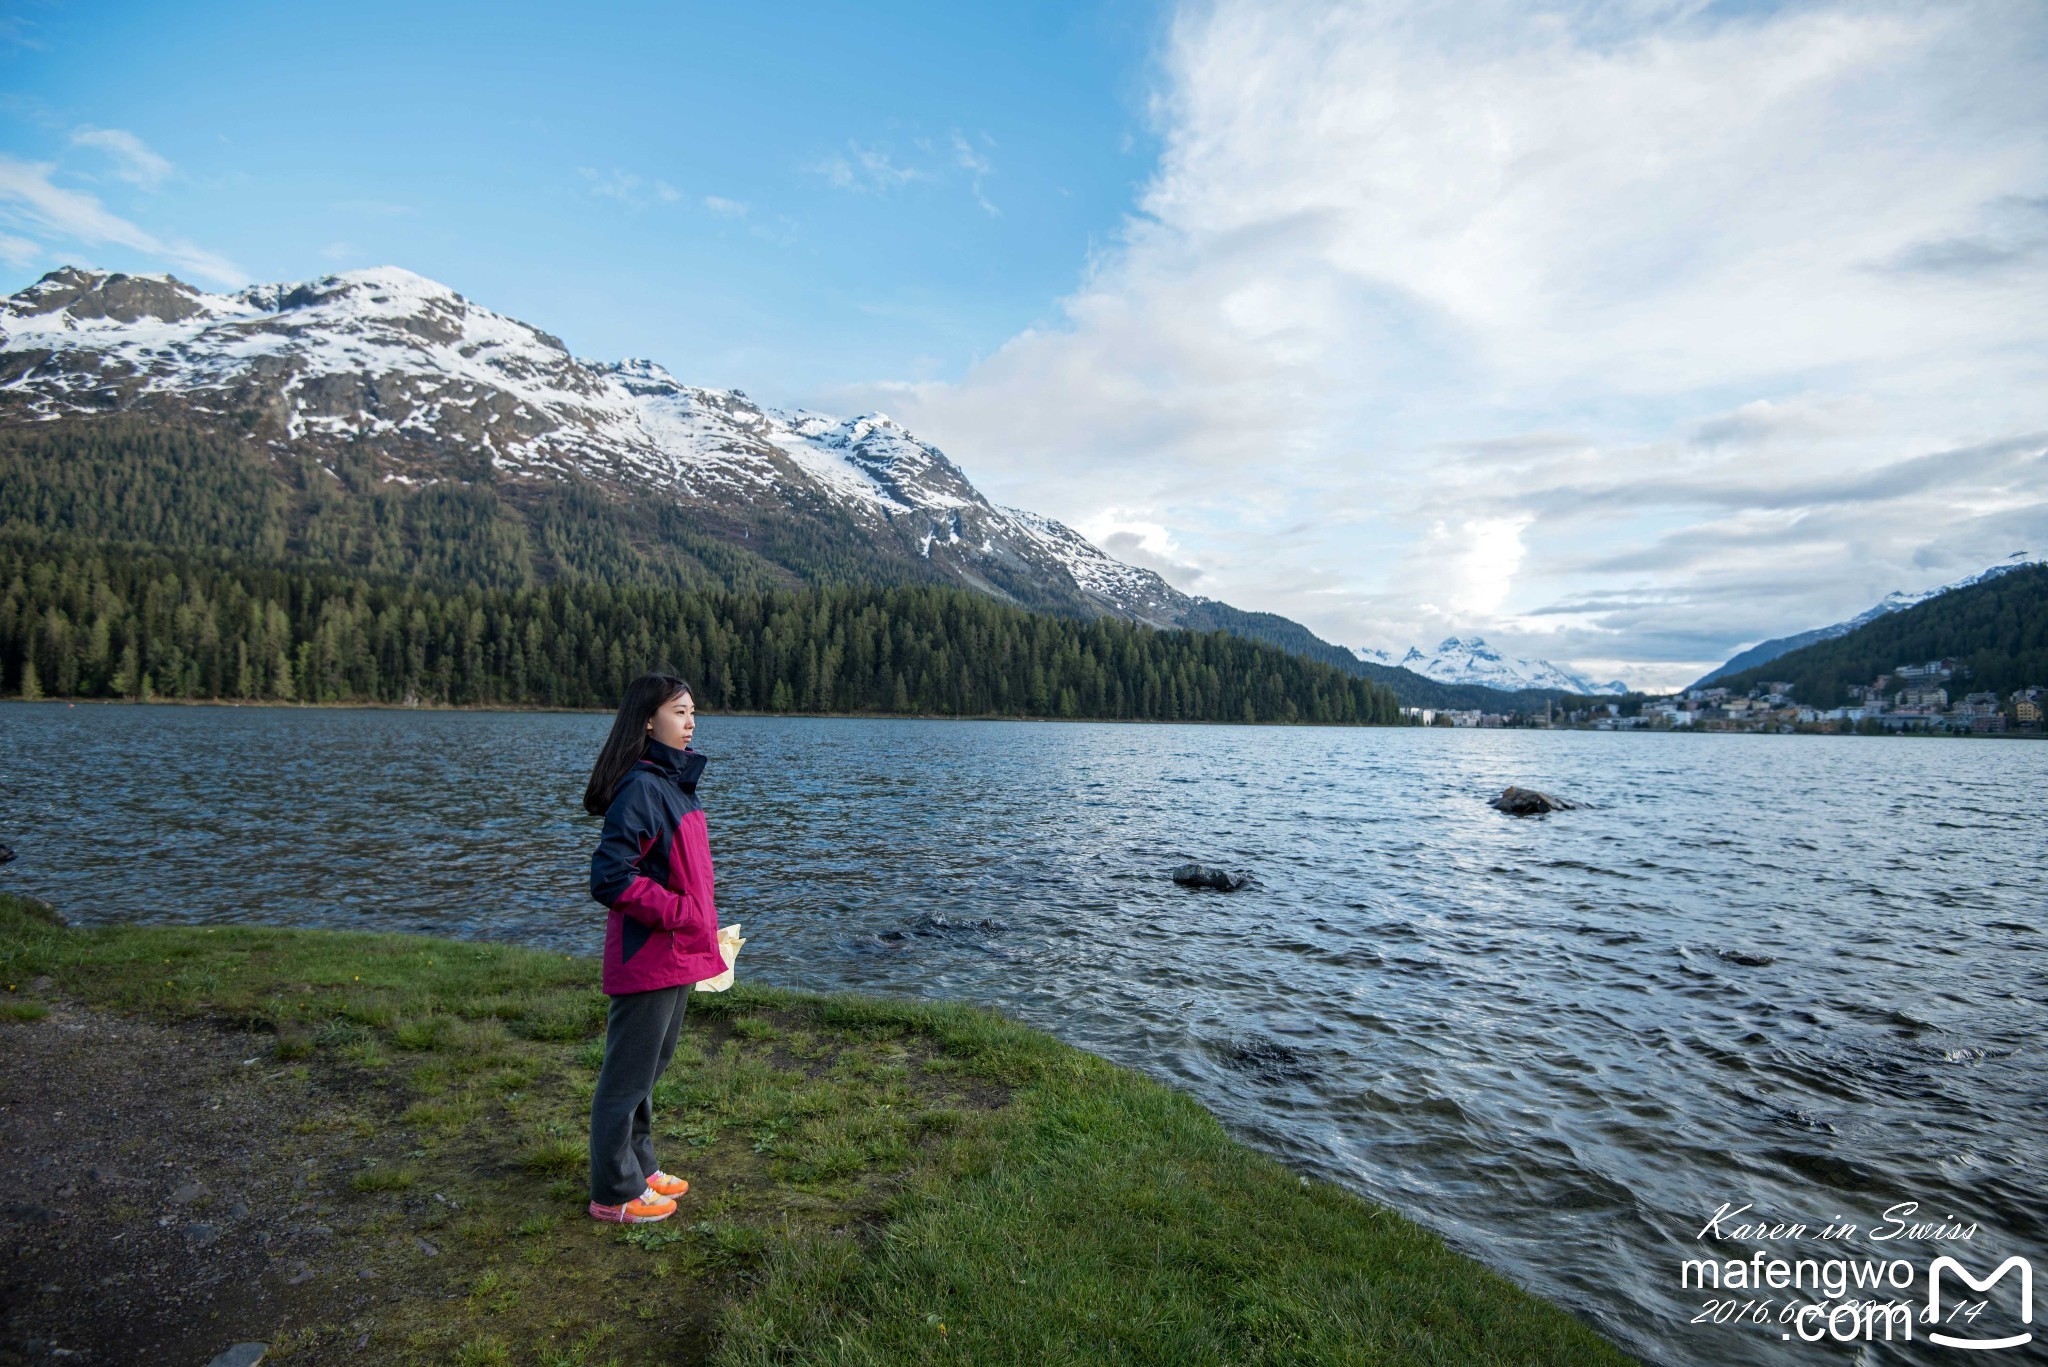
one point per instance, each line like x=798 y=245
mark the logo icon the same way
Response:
x=2026 y=1270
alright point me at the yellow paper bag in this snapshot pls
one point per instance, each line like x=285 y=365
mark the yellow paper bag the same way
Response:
x=729 y=943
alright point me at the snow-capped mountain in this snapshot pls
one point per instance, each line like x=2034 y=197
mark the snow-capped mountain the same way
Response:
x=384 y=378
x=1470 y=660
x=427 y=386
x=1766 y=651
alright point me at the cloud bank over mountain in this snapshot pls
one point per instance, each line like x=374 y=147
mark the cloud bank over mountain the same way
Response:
x=1623 y=334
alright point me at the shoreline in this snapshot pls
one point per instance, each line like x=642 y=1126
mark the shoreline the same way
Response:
x=891 y=1176
x=518 y=708
x=535 y=709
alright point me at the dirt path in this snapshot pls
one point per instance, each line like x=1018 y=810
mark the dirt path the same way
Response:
x=168 y=1191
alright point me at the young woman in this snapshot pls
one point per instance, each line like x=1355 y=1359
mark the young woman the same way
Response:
x=653 y=869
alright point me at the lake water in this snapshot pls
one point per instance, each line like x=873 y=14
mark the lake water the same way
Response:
x=1807 y=974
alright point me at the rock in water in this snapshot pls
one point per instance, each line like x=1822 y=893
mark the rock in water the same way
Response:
x=1202 y=876
x=1529 y=802
x=5 y=854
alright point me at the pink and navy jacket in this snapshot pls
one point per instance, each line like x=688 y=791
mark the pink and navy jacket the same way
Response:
x=653 y=869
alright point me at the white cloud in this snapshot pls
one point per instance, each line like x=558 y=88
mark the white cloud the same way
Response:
x=865 y=170
x=29 y=198
x=627 y=187
x=725 y=208
x=782 y=231
x=1473 y=565
x=977 y=164
x=14 y=29
x=879 y=171
x=133 y=161
x=18 y=251
x=1650 y=284
x=1138 y=542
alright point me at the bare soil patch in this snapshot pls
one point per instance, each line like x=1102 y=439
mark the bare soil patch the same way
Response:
x=160 y=1199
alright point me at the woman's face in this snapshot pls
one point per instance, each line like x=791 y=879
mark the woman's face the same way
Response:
x=675 y=721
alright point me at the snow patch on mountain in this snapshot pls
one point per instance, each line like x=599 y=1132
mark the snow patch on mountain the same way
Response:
x=1099 y=574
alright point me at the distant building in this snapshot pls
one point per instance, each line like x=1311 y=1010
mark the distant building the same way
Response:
x=1934 y=671
x=1922 y=699
x=1978 y=705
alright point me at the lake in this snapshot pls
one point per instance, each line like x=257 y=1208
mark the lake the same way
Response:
x=1806 y=974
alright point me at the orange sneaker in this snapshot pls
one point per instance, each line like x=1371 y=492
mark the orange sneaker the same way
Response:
x=643 y=1209
x=661 y=1184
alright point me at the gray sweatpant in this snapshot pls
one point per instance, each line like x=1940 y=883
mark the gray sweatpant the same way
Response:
x=639 y=1039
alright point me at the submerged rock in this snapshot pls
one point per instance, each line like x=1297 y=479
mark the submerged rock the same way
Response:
x=1530 y=802
x=1203 y=876
x=1267 y=1058
x=6 y=854
x=1748 y=958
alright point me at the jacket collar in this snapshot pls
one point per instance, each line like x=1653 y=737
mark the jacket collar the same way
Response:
x=682 y=766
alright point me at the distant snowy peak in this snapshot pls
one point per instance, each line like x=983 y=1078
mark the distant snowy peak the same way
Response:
x=1470 y=660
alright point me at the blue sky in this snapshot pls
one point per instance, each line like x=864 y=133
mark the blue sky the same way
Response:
x=780 y=198
x=1625 y=333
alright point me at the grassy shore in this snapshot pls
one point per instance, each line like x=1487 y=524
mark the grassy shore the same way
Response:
x=873 y=1180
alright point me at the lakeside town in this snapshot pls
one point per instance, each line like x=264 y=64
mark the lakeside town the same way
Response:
x=1927 y=698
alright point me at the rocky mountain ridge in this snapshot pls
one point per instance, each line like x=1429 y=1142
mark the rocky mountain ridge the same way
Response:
x=390 y=367
x=1896 y=601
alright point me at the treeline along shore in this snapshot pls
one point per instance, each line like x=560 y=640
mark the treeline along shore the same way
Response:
x=356 y=1147
x=104 y=621
x=149 y=559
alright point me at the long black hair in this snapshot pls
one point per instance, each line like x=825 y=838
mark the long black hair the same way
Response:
x=623 y=748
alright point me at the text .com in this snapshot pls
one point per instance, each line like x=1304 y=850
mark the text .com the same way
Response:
x=1844 y=1317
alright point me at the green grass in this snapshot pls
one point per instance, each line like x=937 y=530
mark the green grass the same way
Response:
x=873 y=1180
x=383 y=1179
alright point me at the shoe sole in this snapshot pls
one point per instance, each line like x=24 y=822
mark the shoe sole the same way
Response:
x=624 y=1219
